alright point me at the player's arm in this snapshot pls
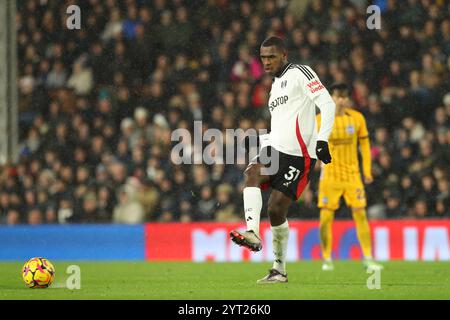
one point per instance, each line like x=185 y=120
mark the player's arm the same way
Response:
x=317 y=92
x=364 y=144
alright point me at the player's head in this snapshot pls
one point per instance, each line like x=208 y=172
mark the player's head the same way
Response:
x=340 y=93
x=273 y=55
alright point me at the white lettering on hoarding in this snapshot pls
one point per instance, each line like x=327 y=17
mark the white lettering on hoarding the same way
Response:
x=435 y=244
x=410 y=244
x=209 y=245
x=382 y=250
x=215 y=244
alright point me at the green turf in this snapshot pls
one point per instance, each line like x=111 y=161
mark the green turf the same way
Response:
x=150 y=280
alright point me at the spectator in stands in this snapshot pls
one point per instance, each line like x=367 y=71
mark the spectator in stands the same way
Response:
x=57 y=77
x=129 y=210
x=81 y=79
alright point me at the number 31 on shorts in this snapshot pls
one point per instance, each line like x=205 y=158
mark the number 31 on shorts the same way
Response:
x=292 y=174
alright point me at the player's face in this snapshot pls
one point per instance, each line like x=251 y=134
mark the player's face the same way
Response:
x=341 y=98
x=273 y=59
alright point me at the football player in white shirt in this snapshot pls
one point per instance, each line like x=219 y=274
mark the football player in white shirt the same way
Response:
x=293 y=143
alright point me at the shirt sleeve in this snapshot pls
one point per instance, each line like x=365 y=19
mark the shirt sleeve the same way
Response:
x=362 y=130
x=317 y=93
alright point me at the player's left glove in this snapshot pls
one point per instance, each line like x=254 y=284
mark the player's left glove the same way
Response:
x=322 y=151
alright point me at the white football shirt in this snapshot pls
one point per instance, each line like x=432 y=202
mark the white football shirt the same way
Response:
x=295 y=93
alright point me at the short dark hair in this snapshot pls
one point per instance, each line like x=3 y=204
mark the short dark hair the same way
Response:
x=339 y=86
x=274 y=41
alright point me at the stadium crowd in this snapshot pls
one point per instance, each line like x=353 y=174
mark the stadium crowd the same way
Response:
x=98 y=105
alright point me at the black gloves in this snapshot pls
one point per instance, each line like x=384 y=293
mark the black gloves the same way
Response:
x=322 y=151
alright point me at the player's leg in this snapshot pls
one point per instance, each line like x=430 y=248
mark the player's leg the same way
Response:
x=252 y=208
x=363 y=231
x=364 y=237
x=288 y=184
x=252 y=195
x=277 y=209
x=356 y=199
x=326 y=237
x=328 y=202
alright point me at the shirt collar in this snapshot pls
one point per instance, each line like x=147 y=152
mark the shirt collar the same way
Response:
x=283 y=70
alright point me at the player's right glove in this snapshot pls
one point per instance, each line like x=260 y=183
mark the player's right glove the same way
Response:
x=322 y=151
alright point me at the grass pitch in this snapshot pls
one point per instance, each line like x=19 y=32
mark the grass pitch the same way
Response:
x=234 y=281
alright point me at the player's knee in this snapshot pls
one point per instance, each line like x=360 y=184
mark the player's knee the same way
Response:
x=277 y=218
x=326 y=216
x=252 y=176
x=276 y=210
x=359 y=213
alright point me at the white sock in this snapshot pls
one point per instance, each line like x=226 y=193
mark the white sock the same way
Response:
x=280 y=236
x=252 y=207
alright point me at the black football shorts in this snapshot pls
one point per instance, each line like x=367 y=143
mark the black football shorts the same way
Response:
x=293 y=172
